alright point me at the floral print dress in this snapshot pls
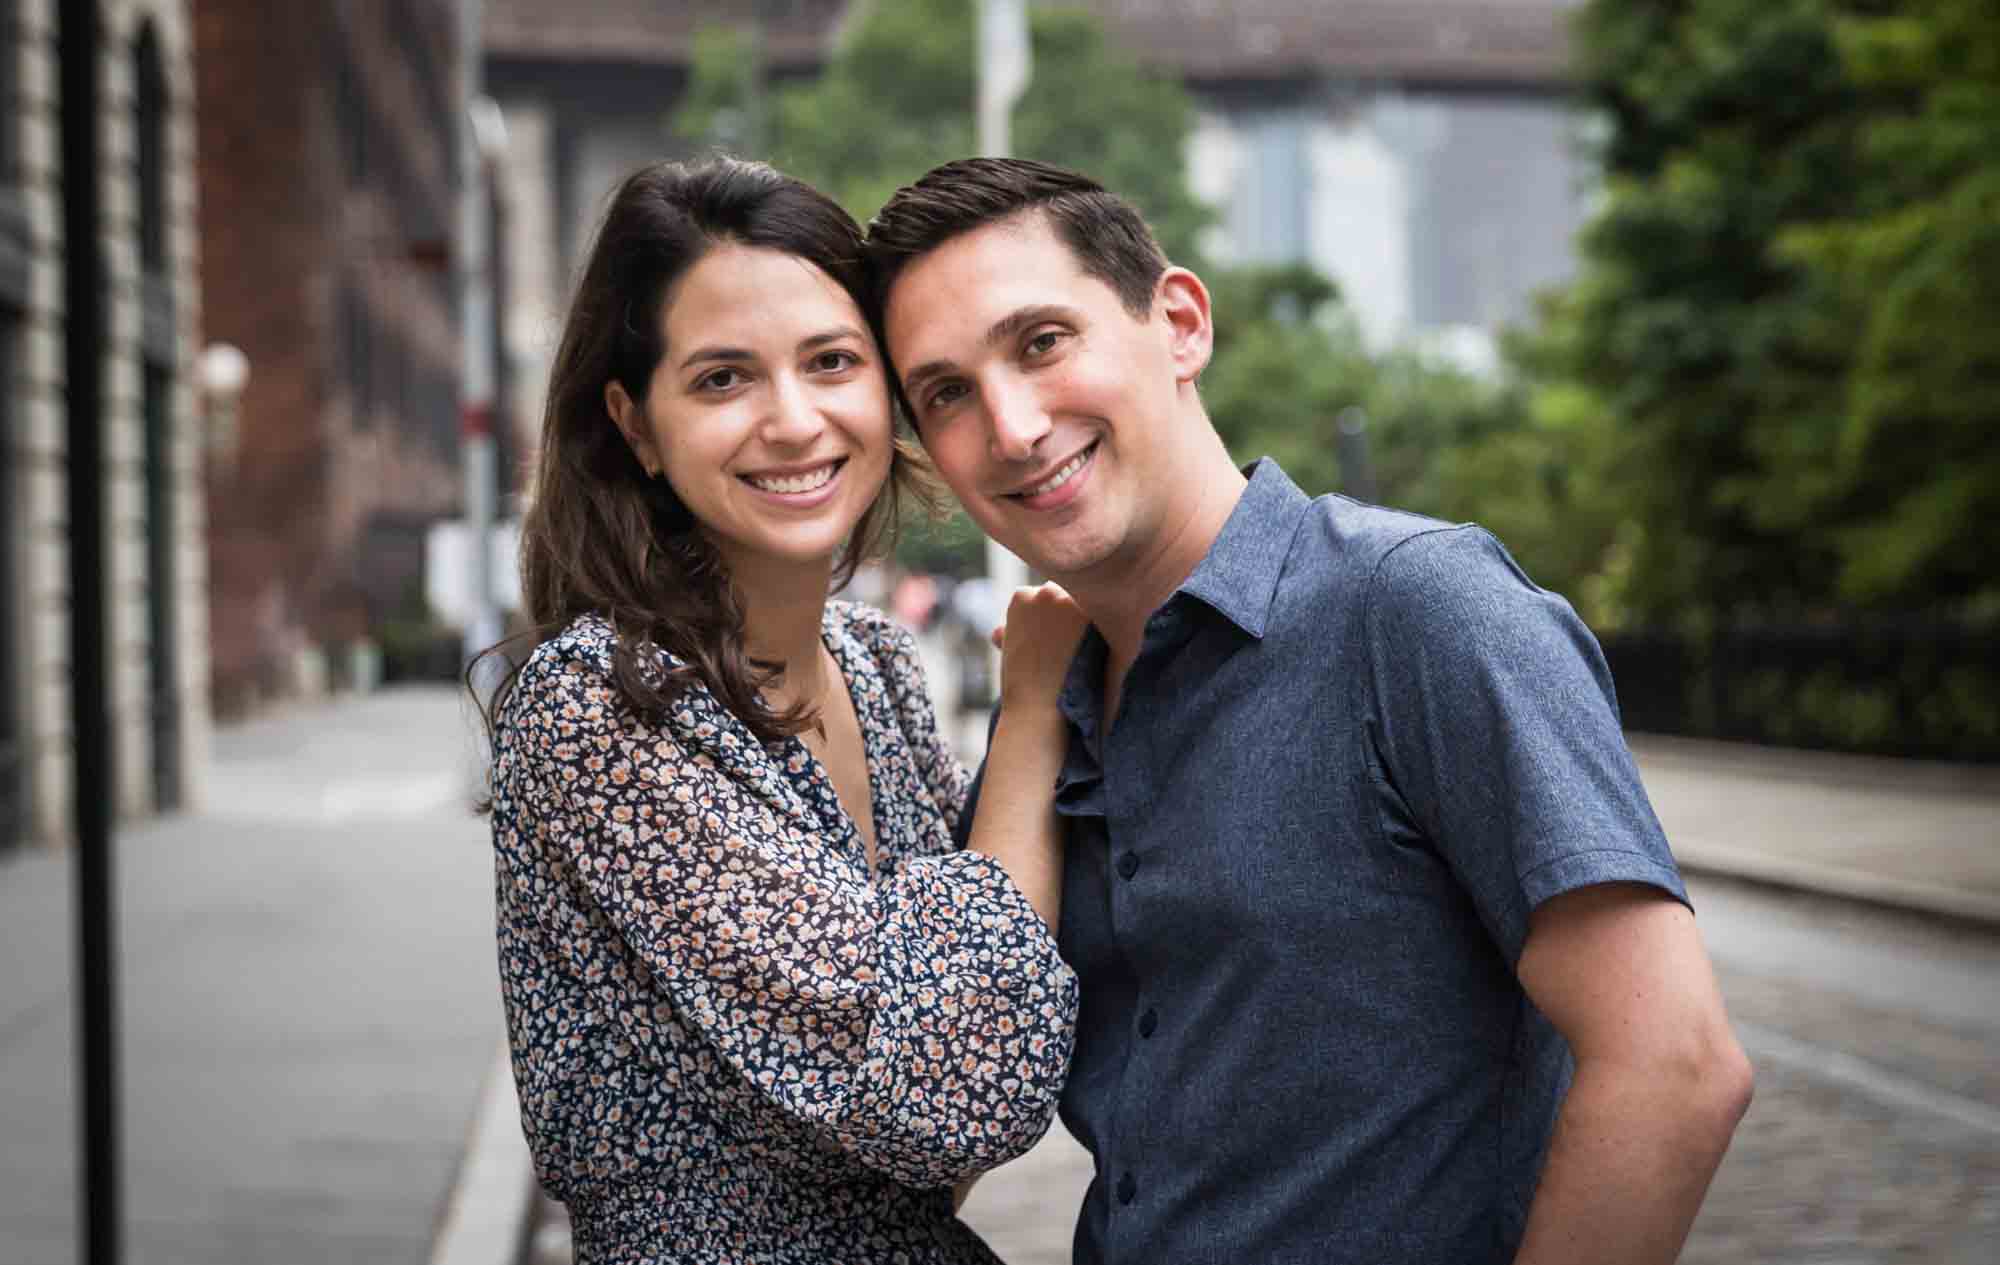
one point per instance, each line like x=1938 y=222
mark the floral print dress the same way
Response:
x=732 y=1043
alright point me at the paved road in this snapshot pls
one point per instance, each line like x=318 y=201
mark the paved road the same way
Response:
x=1875 y=1135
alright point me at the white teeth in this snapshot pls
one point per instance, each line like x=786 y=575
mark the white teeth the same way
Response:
x=1061 y=476
x=794 y=483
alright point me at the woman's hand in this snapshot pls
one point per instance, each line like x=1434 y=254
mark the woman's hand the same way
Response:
x=1043 y=629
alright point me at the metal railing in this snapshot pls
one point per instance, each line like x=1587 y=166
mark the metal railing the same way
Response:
x=1903 y=685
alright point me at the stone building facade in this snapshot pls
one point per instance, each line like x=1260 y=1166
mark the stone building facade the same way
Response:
x=328 y=169
x=156 y=573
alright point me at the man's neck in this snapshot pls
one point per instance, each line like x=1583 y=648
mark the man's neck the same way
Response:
x=1122 y=594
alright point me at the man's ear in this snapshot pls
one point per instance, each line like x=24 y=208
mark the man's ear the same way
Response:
x=631 y=420
x=1183 y=300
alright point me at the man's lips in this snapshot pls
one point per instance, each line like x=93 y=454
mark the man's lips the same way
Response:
x=1055 y=478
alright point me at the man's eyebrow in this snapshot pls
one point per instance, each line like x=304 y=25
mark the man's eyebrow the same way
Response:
x=1017 y=322
x=1007 y=328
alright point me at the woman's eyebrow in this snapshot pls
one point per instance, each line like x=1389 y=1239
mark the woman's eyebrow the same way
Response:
x=834 y=335
x=736 y=354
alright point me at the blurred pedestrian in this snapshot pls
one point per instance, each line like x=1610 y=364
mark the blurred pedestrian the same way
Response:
x=761 y=1007
x=1384 y=956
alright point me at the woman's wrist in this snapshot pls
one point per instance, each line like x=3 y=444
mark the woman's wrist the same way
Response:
x=1028 y=728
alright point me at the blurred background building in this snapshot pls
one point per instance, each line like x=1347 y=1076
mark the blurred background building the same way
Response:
x=328 y=173
x=1421 y=153
x=156 y=578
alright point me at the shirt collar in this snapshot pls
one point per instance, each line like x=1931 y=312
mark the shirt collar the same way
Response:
x=1239 y=576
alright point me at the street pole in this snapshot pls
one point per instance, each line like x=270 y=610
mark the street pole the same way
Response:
x=99 y=1219
x=477 y=125
x=1357 y=474
x=1005 y=66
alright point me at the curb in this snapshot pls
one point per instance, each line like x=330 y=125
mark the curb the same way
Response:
x=487 y=1212
x=1908 y=895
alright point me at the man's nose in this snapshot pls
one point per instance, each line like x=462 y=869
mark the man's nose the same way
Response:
x=1017 y=421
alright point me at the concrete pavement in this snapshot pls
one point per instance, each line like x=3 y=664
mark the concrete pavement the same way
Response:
x=308 y=995
x=1913 y=834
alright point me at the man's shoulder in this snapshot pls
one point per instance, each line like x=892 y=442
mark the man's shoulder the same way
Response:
x=1363 y=548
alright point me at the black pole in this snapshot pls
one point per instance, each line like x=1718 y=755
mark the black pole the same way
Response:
x=99 y=1216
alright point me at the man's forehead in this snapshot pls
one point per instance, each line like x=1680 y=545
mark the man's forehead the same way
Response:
x=1008 y=247
x=1014 y=262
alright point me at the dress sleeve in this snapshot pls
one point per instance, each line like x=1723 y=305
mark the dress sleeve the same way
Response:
x=916 y=712
x=923 y=1024
x=1496 y=729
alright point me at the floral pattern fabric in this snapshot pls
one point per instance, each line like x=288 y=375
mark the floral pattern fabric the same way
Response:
x=731 y=1041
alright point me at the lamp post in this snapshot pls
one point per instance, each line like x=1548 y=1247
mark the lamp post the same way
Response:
x=1005 y=66
x=223 y=371
x=482 y=140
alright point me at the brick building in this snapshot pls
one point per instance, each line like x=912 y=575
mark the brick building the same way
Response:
x=328 y=170
x=155 y=575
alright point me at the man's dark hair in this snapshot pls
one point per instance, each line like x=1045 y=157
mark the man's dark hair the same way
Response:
x=1106 y=234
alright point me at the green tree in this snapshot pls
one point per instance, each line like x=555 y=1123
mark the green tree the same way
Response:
x=1911 y=484
x=1780 y=325
x=1686 y=335
x=897 y=98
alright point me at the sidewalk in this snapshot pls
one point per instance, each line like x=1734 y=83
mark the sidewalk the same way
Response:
x=308 y=995
x=1914 y=834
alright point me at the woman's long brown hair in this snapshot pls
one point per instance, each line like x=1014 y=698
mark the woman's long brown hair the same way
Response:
x=599 y=535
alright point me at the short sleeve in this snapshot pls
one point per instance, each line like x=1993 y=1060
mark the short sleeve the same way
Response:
x=1495 y=727
x=923 y=1024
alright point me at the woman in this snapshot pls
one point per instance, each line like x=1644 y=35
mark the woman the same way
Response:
x=759 y=1008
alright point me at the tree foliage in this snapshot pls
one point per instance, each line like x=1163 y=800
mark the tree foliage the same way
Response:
x=1912 y=479
x=897 y=98
x=1775 y=334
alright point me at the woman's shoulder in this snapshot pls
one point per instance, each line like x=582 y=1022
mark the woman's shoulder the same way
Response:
x=582 y=647
x=872 y=626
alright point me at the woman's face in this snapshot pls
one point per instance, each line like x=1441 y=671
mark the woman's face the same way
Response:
x=769 y=410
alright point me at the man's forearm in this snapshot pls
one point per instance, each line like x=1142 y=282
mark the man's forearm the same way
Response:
x=1633 y=1152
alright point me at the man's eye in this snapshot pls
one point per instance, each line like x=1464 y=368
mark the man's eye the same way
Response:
x=945 y=396
x=1044 y=343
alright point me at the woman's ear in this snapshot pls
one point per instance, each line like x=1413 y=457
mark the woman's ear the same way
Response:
x=1183 y=300
x=631 y=420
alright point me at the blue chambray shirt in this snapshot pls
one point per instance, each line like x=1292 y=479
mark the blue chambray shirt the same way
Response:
x=1357 y=748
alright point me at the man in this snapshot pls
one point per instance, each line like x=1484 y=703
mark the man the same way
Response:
x=1384 y=957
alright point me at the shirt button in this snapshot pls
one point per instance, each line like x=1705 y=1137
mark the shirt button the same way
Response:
x=1127 y=1189
x=1128 y=865
x=1148 y=1022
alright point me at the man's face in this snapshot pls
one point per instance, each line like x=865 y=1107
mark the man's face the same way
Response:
x=1048 y=407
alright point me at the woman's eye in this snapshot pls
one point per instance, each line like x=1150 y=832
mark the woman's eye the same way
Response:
x=719 y=380
x=834 y=361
